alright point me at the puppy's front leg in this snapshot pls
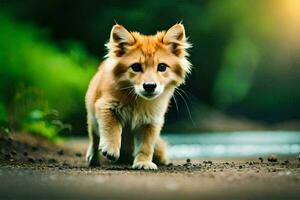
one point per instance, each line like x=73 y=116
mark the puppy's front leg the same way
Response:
x=110 y=131
x=144 y=147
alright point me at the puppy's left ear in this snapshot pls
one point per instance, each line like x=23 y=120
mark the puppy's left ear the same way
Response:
x=175 y=38
x=120 y=39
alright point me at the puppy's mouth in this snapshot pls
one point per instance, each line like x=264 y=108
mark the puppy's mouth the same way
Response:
x=148 y=96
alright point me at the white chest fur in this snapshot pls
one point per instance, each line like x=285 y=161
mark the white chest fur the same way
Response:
x=136 y=115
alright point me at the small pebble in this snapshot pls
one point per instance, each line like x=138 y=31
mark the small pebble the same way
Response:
x=272 y=158
x=207 y=162
x=188 y=160
x=7 y=156
x=13 y=152
x=261 y=159
x=31 y=159
x=170 y=164
x=60 y=152
x=78 y=154
x=240 y=166
x=34 y=148
x=52 y=160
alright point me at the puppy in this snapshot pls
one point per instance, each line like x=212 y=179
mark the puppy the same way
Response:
x=132 y=88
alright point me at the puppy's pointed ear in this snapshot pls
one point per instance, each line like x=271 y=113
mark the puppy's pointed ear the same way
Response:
x=120 y=39
x=175 y=38
x=175 y=34
x=119 y=34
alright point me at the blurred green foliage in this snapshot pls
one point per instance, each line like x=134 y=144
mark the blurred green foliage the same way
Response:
x=36 y=75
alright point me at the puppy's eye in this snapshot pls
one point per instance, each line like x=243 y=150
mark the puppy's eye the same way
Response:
x=162 y=67
x=136 y=67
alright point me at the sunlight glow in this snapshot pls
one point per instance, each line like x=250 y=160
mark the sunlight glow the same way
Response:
x=288 y=20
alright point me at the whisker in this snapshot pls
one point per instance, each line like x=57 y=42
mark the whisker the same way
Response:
x=173 y=96
x=185 y=93
x=131 y=91
x=186 y=105
x=125 y=88
x=136 y=97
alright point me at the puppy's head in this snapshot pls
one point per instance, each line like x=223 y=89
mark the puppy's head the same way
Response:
x=149 y=65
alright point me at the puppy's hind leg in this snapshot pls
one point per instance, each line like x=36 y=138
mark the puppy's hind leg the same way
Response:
x=160 y=152
x=92 y=155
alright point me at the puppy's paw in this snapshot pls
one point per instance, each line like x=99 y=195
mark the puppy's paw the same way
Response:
x=162 y=162
x=144 y=165
x=92 y=158
x=111 y=152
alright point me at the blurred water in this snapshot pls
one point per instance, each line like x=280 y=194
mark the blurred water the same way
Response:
x=233 y=144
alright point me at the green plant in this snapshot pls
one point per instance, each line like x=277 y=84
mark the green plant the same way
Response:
x=45 y=124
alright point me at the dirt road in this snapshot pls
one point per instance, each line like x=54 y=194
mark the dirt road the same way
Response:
x=34 y=169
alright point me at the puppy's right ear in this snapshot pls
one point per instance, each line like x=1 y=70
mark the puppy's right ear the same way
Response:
x=175 y=38
x=120 y=40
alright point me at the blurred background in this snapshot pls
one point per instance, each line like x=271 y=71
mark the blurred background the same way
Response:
x=245 y=56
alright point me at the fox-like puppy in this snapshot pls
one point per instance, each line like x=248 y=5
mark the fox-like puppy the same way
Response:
x=132 y=88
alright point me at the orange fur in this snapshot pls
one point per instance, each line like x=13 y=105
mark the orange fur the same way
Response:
x=117 y=95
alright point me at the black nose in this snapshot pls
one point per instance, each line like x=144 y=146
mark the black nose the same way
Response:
x=149 y=87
